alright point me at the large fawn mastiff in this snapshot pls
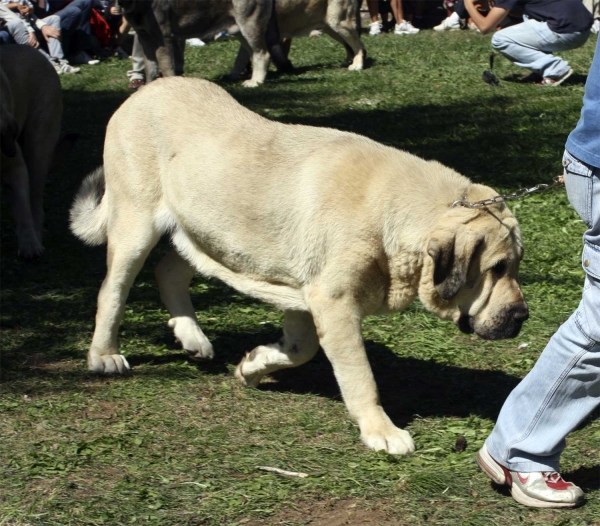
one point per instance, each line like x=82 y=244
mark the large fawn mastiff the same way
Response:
x=327 y=225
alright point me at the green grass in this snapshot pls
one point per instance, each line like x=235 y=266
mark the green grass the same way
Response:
x=178 y=443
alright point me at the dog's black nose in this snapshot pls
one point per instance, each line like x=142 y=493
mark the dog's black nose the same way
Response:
x=520 y=313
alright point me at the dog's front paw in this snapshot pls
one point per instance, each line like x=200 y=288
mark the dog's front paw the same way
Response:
x=250 y=83
x=397 y=442
x=384 y=435
x=192 y=338
x=355 y=67
x=108 y=363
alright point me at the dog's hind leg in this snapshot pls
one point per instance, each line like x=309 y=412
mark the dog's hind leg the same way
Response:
x=16 y=177
x=348 y=36
x=179 y=55
x=131 y=236
x=298 y=345
x=38 y=152
x=174 y=275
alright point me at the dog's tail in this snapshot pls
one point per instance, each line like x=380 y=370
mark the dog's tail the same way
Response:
x=89 y=213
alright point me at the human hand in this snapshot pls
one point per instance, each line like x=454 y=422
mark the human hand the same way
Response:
x=33 y=41
x=116 y=10
x=50 y=32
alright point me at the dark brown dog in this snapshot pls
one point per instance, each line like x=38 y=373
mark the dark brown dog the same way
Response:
x=162 y=26
x=30 y=115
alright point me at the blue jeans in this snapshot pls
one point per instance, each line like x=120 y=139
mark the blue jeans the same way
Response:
x=530 y=44
x=564 y=385
x=75 y=26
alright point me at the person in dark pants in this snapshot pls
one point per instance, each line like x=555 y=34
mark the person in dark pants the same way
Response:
x=75 y=26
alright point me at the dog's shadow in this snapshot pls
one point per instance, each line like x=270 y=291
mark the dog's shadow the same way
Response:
x=407 y=386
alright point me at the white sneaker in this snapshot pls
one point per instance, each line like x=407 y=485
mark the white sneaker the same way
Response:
x=82 y=58
x=62 y=67
x=375 y=29
x=596 y=26
x=195 y=42
x=405 y=28
x=449 y=24
x=542 y=489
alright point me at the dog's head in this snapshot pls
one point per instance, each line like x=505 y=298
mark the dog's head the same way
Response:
x=471 y=267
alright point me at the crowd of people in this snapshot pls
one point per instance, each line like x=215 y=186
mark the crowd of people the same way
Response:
x=67 y=32
x=75 y=32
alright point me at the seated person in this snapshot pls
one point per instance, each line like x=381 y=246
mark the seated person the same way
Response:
x=75 y=26
x=24 y=27
x=548 y=26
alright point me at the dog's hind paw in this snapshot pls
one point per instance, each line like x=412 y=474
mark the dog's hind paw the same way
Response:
x=248 y=380
x=30 y=246
x=108 y=363
x=192 y=339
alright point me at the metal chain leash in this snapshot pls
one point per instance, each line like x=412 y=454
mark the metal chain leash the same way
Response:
x=522 y=192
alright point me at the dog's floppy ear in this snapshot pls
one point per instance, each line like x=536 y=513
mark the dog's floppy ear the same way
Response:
x=451 y=259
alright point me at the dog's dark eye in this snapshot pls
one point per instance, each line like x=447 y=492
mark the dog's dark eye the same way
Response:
x=499 y=269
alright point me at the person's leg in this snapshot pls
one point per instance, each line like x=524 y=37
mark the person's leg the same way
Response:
x=564 y=385
x=75 y=25
x=403 y=27
x=54 y=45
x=559 y=392
x=396 y=6
x=373 y=6
x=18 y=31
x=375 y=27
x=136 y=74
x=531 y=43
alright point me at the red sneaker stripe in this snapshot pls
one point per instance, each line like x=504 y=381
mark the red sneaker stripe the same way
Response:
x=560 y=485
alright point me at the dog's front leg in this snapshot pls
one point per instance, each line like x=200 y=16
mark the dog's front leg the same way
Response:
x=165 y=55
x=241 y=64
x=338 y=325
x=260 y=65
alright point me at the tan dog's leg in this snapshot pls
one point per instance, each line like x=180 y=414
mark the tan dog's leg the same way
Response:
x=130 y=240
x=339 y=328
x=16 y=178
x=174 y=276
x=348 y=36
x=298 y=345
x=260 y=60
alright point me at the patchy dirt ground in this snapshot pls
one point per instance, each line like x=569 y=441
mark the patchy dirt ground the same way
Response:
x=334 y=512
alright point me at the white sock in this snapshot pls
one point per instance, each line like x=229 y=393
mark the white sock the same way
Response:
x=454 y=17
